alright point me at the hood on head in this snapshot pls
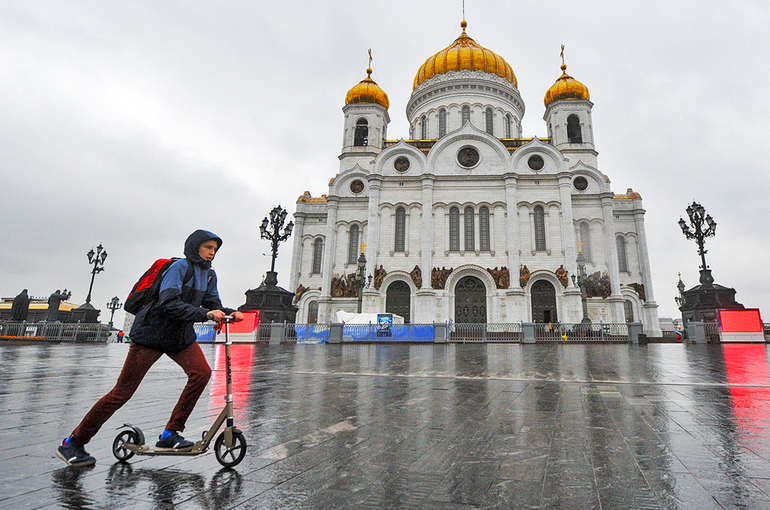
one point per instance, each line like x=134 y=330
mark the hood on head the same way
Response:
x=193 y=243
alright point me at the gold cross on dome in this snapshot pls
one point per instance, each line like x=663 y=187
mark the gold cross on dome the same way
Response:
x=580 y=246
x=562 y=54
x=370 y=58
x=363 y=245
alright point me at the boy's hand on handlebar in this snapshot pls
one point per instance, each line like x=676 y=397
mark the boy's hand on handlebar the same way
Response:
x=216 y=315
x=237 y=316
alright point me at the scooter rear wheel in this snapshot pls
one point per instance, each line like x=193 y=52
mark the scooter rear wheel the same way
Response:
x=230 y=457
x=118 y=445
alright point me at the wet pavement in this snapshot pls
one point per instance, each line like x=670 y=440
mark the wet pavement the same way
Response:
x=407 y=426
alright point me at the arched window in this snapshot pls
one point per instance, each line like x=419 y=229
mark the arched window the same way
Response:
x=466 y=113
x=628 y=307
x=454 y=229
x=424 y=123
x=539 y=229
x=400 y=229
x=441 y=122
x=585 y=239
x=489 y=118
x=484 y=228
x=573 y=129
x=470 y=234
x=508 y=126
x=318 y=250
x=622 y=259
x=312 y=312
x=362 y=133
x=353 y=244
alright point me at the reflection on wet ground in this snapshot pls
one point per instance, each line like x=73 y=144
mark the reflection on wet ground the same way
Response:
x=408 y=426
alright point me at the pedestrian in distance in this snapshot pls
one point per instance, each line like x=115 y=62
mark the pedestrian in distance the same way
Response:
x=120 y=336
x=188 y=294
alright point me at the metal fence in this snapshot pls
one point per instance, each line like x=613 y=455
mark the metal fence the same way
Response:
x=57 y=331
x=595 y=332
x=767 y=331
x=492 y=332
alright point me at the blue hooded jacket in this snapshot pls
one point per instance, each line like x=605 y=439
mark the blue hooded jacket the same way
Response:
x=167 y=324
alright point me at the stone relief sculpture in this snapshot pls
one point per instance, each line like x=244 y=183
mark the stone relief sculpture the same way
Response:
x=300 y=290
x=639 y=288
x=524 y=276
x=416 y=275
x=562 y=275
x=379 y=276
x=502 y=277
x=598 y=285
x=439 y=276
x=344 y=286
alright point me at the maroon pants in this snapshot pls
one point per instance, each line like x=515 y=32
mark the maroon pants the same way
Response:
x=138 y=362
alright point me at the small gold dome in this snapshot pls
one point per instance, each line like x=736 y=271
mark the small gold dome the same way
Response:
x=566 y=87
x=367 y=91
x=466 y=54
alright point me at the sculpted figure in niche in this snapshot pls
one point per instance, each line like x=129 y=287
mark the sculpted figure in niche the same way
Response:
x=300 y=290
x=562 y=275
x=598 y=285
x=379 y=276
x=639 y=288
x=439 y=276
x=416 y=275
x=501 y=277
x=524 y=276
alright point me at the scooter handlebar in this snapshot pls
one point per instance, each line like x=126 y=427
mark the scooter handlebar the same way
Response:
x=228 y=319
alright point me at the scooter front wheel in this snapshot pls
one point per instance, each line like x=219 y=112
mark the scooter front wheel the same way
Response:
x=118 y=445
x=233 y=456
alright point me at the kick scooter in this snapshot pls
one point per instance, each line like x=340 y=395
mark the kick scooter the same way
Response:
x=229 y=448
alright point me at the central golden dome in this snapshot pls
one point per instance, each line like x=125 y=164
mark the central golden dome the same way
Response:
x=466 y=54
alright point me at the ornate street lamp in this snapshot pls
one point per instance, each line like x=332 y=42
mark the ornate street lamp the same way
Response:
x=97 y=259
x=113 y=305
x=361 y=277
x=702 y=225
x=581 y=281
x=271 y=230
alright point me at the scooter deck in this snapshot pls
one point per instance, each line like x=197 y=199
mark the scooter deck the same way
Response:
x=145 y=449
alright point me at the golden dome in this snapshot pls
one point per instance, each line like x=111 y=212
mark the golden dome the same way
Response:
x=464 y=53
x=566 y=87
x=367 y=91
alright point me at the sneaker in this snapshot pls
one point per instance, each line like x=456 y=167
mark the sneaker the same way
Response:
x=174 y=442
x=74 y=455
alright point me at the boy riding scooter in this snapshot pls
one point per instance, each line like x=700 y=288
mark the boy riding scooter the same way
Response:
x=164 y=326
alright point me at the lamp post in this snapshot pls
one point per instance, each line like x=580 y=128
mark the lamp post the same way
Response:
x=113 y=305
x=271 y=230
x=361 y=278
x=702 y=225
x=97 y=259
x=580 y=281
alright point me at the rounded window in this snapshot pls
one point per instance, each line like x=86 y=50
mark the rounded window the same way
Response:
x=468 y=157
x=536 y=162
x=401 y=164
x=580 y=183
x=357 y=186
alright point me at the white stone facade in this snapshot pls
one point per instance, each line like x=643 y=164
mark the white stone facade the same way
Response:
x=521 y=216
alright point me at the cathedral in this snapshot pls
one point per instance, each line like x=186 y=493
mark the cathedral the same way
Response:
x=467 y=221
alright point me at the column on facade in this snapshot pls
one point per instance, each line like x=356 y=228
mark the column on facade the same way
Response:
x=330 y=248
x=573 y=300
x=610 y=248
x=650 y=306
x=425 y=306
x=512 y=240
x=296 y=252
x=373 y=223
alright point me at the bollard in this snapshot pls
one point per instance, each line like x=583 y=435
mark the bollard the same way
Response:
x=528 y=331
x=439 y=332
x=335 y=333
x=276 y=333
x=642 y=338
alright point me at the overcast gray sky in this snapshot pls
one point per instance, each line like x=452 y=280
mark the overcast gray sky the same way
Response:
x=131 y=124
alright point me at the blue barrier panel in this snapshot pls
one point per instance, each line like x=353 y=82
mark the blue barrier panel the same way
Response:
x=393 y=333
x=311 y=334
x=205 y=333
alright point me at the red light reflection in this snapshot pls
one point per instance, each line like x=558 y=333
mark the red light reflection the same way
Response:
x=241 y=361
x=746 y=366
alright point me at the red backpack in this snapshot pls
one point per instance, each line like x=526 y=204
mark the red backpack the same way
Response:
x=146 y=290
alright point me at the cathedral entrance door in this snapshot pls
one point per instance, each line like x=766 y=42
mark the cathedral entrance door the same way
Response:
x=470 y=301
x=397 y=299
x=543 y=302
